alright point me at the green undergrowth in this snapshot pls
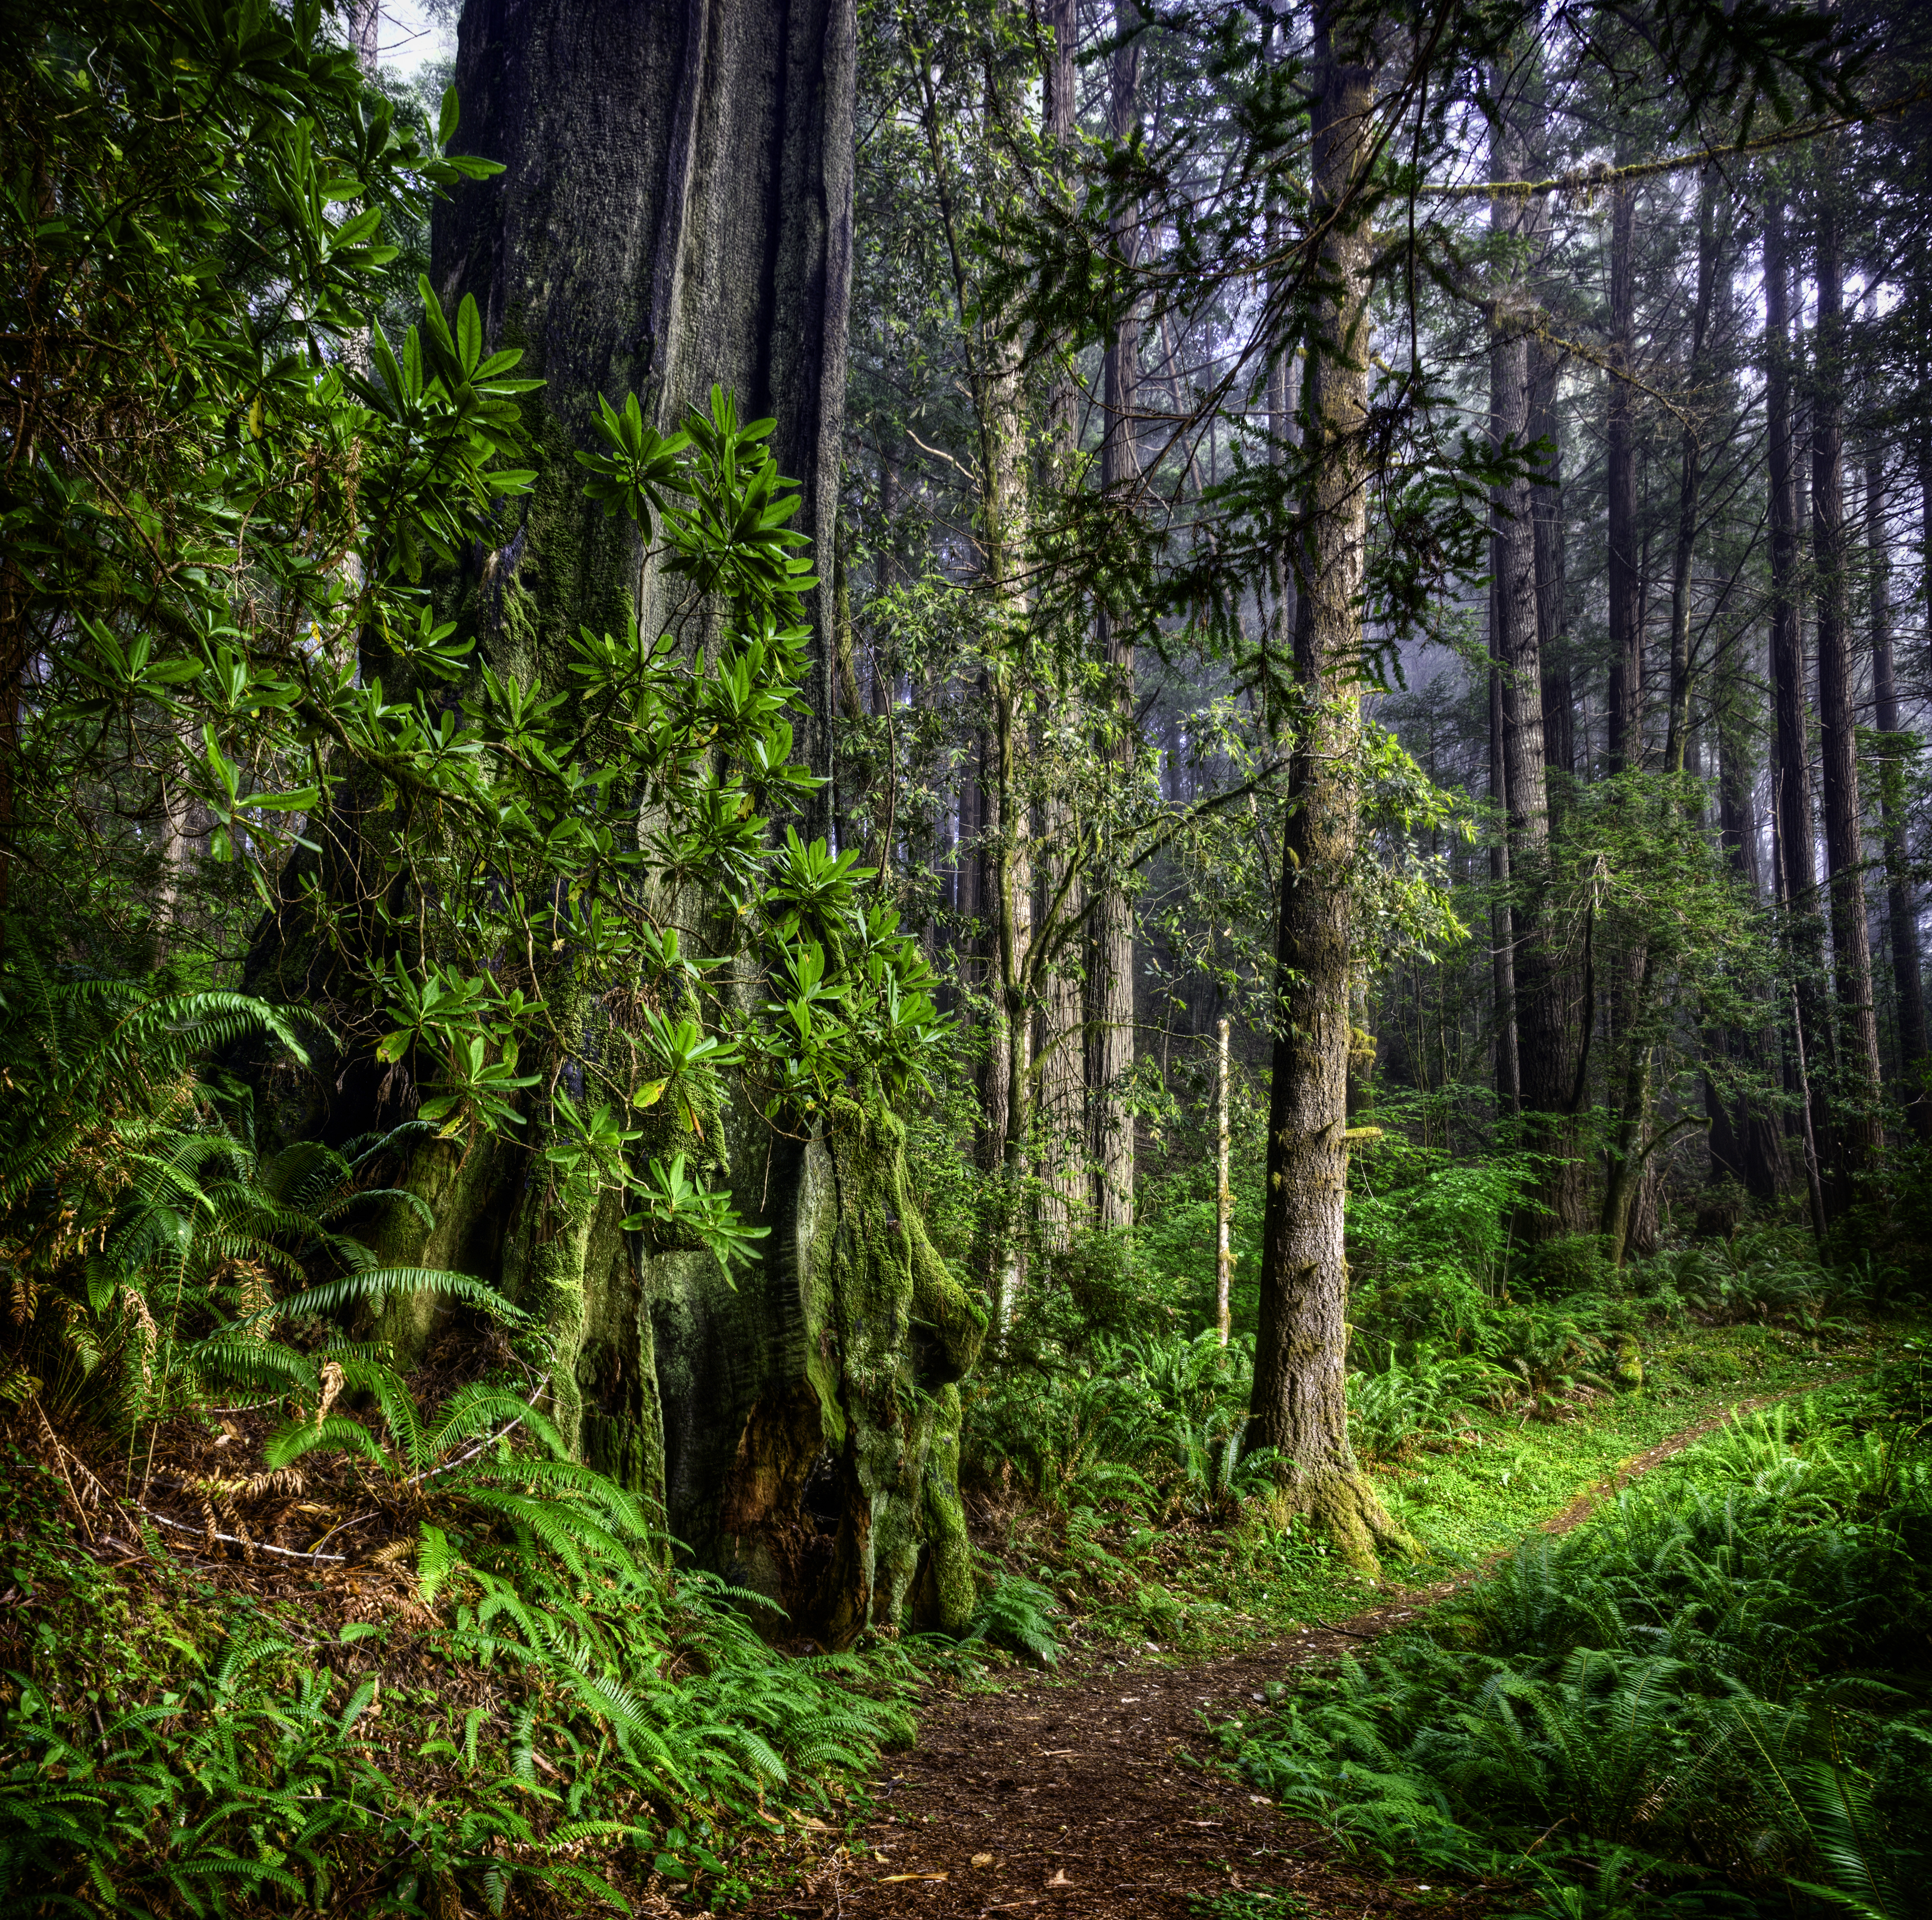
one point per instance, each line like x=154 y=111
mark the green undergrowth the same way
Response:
x=1142 y=1529
x=1715 y=1696
x=1489 y=1385
x=177 y=1739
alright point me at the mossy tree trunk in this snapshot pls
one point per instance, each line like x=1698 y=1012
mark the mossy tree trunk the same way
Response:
x=674 y=211
x=1300 y=1405
x=1112 y=1052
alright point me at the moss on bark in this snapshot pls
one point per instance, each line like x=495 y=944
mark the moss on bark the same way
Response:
x=1340 y=1501
x=844 y=1479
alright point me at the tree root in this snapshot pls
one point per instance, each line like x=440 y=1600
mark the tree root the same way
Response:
x=1342 y=1502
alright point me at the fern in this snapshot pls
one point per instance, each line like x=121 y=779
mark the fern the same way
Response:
x=1848 y=1835
x=1017 y=1614
x=1677 y=1694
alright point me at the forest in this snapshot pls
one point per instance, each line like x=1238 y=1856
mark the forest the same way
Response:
x=884 y=878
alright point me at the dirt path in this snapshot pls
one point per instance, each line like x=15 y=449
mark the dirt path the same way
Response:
x=1086 y=1799
x=1092 y=1794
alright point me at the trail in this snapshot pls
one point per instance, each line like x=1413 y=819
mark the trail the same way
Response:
x=1091 y=1796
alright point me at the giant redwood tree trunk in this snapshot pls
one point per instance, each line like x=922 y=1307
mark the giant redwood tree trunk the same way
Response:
x=675 y=210
x=1299 y=1405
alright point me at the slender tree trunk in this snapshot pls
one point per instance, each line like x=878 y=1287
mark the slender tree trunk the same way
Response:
x=1224 y=1197
x=1112 y=1062
x=1502 y=919
x=1300 y=1407
x=1003 y=446
x=1756 y=1158
x=1065 y=1197
x=852 y=777
x=1860 y=1132
x=1900 y=909
x=1690 y=486
x=1628 y=1146
x=1626 y=715
x=1629 y=996
x=1925 y=531
x=1797 y=876
x=1545 y=1036
x=1559 y=740
x=1523 y=826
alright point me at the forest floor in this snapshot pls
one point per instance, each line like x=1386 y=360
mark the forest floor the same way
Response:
x=1094 y=1790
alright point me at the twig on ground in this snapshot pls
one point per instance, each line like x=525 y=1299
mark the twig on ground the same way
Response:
x=260 y=1546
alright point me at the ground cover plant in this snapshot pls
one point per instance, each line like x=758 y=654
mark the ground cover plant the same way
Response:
x=1711 y=1698
x=1488 y=1387
x=285 y=1621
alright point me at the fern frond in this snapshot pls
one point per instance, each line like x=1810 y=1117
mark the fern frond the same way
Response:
x=477 y=1408
x=229 y=1359
x=333 y=1295
x=438 y=1562
x=288 y=1445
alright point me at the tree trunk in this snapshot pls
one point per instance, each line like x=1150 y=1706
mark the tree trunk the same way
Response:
x=1559 y=740
x=1797 y=877
x=1502 y=919
x=1900 y=909
x=1860 y=1133
x=1066 y=1200
x=1690 y=482
x=1111 y=1064
x=1300 y=1405
x=1545 y=1036
x=1224 y=1198
x=364 y=20
x=1625 y=745
x=1751 y=1142
x=675 y=210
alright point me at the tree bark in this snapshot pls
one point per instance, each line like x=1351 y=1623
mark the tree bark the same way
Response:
x=1625 y=745
x=1300 y=1405
x=363 y=19
x=1559 y=737
x=1746 y=1141
x=1690 y=480
x=1545 y=1036
x=1901 y=909
x=1111 y=1063
x=1797 y=876
x=675 y=210
x=1860 y=1133
x=1065 y=1199
x=1502 y=919
x=1224 y=1198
